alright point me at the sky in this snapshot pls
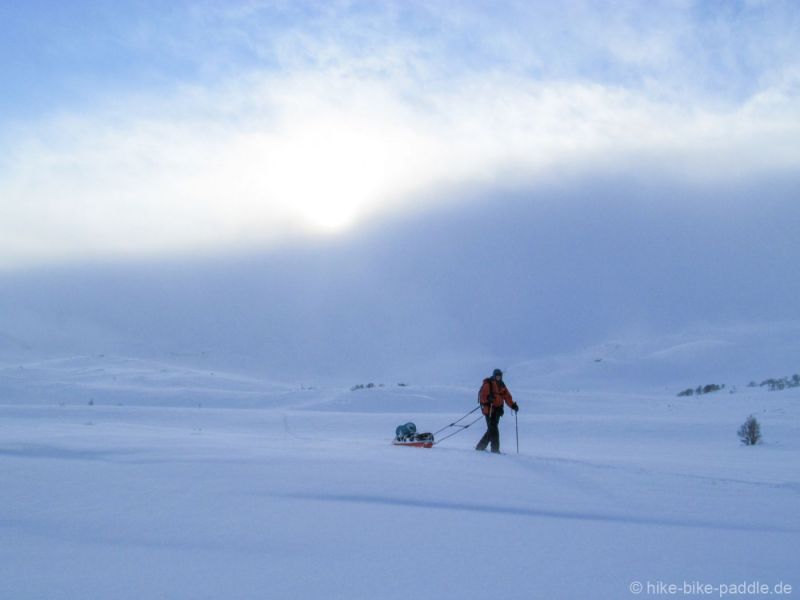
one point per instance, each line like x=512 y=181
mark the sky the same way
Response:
x=355 y=188
x=135 y=129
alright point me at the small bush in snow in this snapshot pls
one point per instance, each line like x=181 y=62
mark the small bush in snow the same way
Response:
x=750 y=432
x=702 y=389
x=368 y=386
x=777 y=385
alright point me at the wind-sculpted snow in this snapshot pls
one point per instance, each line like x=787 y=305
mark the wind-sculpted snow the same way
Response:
x=304 y=497
x=541 y=513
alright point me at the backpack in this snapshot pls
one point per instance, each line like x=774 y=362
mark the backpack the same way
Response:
x=490 y=398
x=404 y=431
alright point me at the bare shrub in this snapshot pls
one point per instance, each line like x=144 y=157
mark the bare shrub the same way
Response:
x=750 y=432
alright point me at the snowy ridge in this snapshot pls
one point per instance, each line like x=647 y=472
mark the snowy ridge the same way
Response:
x=734 y=355
x=211 y=501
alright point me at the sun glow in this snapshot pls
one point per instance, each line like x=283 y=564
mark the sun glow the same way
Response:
x=325 y=168
x=327 y=174
x=320 y=152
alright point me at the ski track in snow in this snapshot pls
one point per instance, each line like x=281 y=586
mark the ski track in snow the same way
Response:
x=536 y=513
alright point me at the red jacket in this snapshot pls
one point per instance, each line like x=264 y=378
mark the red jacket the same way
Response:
x=492 y=395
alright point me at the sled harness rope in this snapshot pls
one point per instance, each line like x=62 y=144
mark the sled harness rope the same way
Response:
x=458 y=428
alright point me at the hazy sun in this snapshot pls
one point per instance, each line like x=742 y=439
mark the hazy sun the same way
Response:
x=327 y=174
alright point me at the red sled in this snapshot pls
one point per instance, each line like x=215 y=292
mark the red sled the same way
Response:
x=421 y=444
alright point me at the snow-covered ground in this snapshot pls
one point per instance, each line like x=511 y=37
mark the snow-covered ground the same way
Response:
x=179 y=483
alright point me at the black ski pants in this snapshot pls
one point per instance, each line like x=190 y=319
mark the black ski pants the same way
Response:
x=492 y=434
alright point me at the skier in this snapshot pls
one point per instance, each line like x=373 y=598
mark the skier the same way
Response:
x=492 y=395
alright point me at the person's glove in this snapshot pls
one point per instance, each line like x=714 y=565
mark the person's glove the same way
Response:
x=515 y=407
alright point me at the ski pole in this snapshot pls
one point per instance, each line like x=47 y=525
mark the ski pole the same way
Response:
x=516 y=427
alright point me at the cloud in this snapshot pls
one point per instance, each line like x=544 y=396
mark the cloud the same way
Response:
x=362 y=110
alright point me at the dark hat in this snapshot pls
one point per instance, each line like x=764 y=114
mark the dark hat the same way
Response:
x=497 y=372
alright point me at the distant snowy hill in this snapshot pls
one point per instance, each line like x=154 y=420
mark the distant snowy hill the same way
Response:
x=662 y=283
